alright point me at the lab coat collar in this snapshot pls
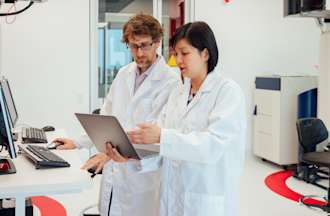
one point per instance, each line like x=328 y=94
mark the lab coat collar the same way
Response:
x=153 y=71
x=131 y=79
x=206 y=87
x=209 y=82
x=158 y=72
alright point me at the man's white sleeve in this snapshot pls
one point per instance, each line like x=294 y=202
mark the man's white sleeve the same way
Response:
x=83 y=142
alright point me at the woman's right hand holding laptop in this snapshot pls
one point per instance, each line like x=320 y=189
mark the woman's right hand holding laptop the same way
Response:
x=98 y=161
x=114 y=154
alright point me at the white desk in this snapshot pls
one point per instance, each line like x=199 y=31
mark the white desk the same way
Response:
x=29 y=181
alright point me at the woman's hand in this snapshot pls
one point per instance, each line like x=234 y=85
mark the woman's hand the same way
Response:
x=114 y=154
x=96 y=162
x=146 y=134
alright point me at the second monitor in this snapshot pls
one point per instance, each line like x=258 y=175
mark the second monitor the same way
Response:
x=6 y=140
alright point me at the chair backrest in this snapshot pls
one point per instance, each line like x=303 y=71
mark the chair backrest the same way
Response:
x=311 y=131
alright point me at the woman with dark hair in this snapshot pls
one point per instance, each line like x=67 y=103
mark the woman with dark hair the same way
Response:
x=201 y=132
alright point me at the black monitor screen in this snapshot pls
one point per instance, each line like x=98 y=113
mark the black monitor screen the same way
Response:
x=9 y=101
x=6 y=138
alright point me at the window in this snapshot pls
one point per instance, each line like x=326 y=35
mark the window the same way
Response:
x=108 y=53
x=112 y=55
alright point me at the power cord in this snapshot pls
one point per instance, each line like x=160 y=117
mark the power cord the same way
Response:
x=82 y=213
x=13 y=7
x=17 y=12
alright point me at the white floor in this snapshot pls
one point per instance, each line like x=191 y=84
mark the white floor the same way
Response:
x=256 y=199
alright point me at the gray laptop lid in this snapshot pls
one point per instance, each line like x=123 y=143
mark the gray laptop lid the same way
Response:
x=102 y=129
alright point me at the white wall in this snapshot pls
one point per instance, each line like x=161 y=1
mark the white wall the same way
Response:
x=45 y=56
x=254 y=39
x=47 y=48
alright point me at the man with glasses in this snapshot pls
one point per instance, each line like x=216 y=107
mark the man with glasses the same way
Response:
x=137 y=95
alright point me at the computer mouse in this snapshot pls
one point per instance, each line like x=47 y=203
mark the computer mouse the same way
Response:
x=53 y=145
x=48 y=128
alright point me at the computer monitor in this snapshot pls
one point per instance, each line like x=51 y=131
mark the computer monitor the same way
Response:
x=9 y=101
x=6 y=139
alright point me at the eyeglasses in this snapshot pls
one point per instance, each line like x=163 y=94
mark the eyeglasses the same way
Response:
x=143 y=46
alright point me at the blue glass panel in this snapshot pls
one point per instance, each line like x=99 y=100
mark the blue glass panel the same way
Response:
x=119 y=55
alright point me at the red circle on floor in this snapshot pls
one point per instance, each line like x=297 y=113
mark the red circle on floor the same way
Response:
x=48 y=206
x=277 y=183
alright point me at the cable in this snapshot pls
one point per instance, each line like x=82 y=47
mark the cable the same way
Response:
x=17 y=12
x=14 y=19
x=82 y=212
x=323 y=24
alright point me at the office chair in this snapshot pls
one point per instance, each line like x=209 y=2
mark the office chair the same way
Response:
x=311 y=132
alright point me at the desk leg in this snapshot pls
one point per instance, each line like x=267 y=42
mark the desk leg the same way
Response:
x=20 y=206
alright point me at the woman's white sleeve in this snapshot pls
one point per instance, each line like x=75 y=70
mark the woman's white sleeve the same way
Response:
x=225 y=131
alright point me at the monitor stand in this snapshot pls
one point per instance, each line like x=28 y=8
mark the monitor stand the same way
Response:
x=7 y=167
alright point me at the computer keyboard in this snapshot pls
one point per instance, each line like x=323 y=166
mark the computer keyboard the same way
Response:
x=33 y=135
x=43 y=157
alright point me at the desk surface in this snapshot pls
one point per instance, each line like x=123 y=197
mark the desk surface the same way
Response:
x=29 y=181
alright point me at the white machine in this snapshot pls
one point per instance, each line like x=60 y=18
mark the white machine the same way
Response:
x=276 y=112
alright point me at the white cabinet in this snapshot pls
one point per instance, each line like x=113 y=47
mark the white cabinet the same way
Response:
x=274 y=132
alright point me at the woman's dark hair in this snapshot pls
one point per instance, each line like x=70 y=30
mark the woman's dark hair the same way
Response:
x=200 y=36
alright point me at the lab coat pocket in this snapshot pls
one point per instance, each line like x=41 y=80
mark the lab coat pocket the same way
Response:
x=199 y=204
x=139 y=183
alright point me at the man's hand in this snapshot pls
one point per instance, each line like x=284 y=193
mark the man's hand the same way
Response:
x=97 y=162
x=114 y=154
x=64 y=143
x=146 y=134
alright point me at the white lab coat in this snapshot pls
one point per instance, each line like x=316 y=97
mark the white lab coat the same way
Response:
x=142 y=106
x=202 y=145
x=133 y=192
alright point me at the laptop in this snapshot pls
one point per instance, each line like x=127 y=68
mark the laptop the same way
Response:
x=105 y=128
